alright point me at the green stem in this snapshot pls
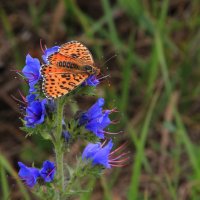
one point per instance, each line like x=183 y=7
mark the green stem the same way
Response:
x=59 y=147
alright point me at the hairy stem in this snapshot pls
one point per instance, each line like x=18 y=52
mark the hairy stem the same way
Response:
x=59 y=147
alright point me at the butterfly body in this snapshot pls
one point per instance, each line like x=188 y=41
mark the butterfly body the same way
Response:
x=67 y=69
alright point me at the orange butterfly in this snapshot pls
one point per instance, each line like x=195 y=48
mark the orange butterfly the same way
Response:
x=67 y=69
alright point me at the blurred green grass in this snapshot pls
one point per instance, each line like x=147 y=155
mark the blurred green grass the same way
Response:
x=157 y=61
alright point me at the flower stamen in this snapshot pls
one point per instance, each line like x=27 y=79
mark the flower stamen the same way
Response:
x=120 y=156
x=119 y=161
x=41 y=46
x=119 y=148
x=112 y=133
x=104 y=142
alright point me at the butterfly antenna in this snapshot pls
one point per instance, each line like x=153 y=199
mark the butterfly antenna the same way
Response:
x=104 y=77
x=115 y=55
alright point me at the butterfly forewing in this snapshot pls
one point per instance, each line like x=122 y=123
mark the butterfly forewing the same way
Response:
x=61 y=61
x=78 y=51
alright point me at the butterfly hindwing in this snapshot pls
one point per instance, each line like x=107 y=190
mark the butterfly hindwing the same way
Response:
x=56 y=85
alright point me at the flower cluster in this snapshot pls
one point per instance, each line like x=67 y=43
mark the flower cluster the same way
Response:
x=42 y=111
x=35 y=108
x=30 y=174
x=96 y=120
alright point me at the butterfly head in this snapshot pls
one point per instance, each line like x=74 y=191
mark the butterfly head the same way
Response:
x=91 y=70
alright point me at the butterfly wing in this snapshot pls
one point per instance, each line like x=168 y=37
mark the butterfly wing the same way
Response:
x=60 y=80
x=58 y=84
x=55 y=58
x=78 y=51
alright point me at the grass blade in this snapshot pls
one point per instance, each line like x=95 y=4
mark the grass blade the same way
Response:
x=139 y=156
x=4 y=184
x=4 y=163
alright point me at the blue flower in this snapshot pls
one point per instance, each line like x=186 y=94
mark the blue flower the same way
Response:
x=65 y=132
x=98 y=154
x=48 y=52
x=32 y=71
x=48 y=171
x=35 y=113
x=66 y=135
x=30 y=98
x=51 y=105
x=32 y=89
x=95 y=119
x=93 y=112
x=91 y=81
x=28 y=174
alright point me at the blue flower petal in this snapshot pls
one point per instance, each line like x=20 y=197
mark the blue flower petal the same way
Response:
x=93 y=112
x=102 y=156
x=32 y=70
x=66 y=135
x=35 y=113
x=49 y=52
x=91 y=81
x=95 y=127
x=96 y=109
x=51 y=105
x=48 y=171
x=95 y=120
x=97 y=154
x=91 y=150
x=28 y=174
x=30 y=97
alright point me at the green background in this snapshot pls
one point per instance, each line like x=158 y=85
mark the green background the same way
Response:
x=153 y=82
